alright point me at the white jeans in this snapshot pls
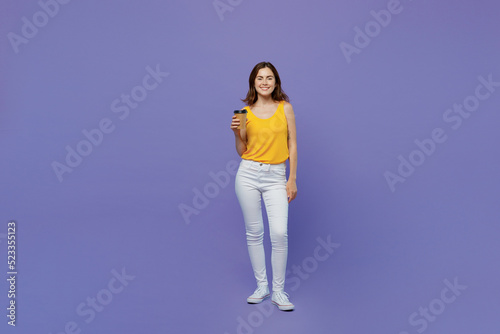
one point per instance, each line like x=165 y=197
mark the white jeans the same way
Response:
x=254 y=179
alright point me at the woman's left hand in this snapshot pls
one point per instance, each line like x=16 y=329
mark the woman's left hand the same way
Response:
x=291 y=190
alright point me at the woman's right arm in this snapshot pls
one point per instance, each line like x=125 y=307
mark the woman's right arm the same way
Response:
x=239 y=136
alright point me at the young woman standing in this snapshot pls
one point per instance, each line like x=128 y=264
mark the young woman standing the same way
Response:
x=267 y=141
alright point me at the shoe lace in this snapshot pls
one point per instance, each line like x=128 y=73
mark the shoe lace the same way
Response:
x=282 y=297
x=261 y=289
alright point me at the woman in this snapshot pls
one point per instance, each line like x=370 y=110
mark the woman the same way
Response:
x=267 y=141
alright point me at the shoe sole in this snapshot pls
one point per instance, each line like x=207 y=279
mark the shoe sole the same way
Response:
x=257 y=300
x=284 y=307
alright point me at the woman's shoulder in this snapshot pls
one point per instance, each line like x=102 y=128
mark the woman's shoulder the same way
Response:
x=287 y=106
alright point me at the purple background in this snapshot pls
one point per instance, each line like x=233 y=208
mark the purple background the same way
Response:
x=119 y=209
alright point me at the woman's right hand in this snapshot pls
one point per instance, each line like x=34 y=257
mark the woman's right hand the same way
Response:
x=240 y=134
x=235 y=123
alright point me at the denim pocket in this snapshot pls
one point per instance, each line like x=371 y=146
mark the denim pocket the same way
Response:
x=245 y=165
x=279 y=171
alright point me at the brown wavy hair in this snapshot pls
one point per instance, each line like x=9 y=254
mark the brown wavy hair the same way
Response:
x=278 y=94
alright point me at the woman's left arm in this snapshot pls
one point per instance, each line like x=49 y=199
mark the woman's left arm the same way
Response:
x=291 y=185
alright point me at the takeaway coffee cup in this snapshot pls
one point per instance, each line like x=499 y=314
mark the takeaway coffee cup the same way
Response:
x=242 y=116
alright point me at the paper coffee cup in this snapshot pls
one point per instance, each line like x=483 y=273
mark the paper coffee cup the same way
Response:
x=242 y=116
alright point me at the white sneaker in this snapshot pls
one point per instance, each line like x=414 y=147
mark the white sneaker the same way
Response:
x=280 y=299
x=261 y=293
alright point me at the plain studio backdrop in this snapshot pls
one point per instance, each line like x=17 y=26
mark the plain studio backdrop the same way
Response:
x=118 y=163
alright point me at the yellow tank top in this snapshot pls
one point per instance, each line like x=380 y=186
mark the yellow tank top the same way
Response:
x=267 y=139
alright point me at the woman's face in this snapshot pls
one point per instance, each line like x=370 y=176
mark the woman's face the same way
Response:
x=265 y=82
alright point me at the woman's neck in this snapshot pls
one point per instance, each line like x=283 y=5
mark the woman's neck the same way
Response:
x=264 y=101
